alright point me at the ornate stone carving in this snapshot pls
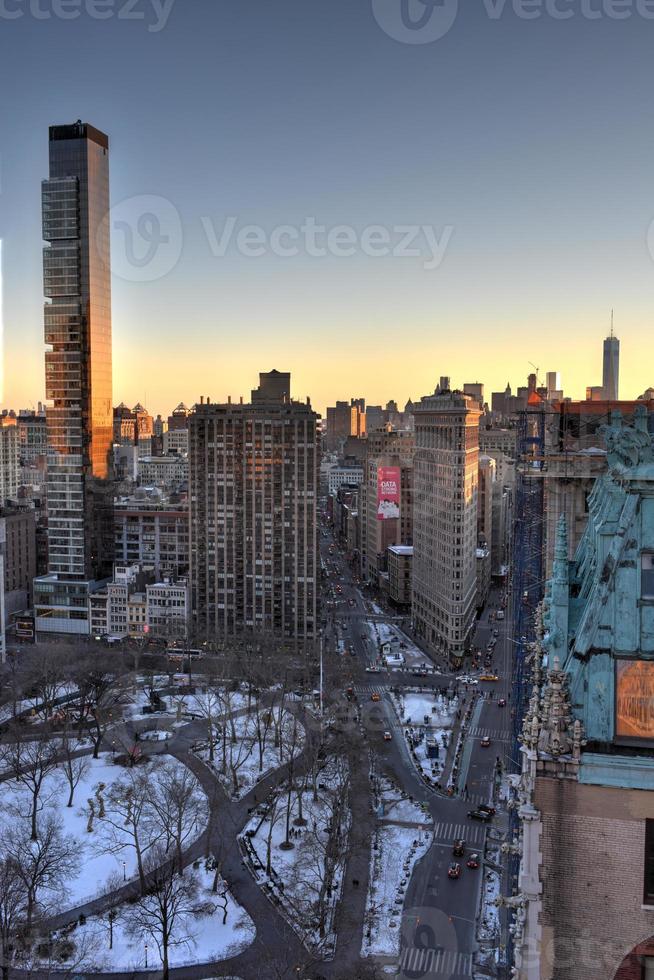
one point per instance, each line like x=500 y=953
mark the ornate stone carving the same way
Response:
x=628 y=446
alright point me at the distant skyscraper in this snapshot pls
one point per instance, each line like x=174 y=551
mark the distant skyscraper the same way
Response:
x=445 y=482
x=79 y=416
x=9 y=447
x=553 y=384
x=253 y=498
x=611 y=366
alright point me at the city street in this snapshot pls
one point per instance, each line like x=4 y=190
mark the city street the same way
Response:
x=439 y=927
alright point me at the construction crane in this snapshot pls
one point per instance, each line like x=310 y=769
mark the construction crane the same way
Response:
x=536 y=369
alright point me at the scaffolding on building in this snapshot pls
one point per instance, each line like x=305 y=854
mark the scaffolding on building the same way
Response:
x=526 y=582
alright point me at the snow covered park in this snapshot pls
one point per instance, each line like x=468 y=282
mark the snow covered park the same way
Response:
x=248 y=746
x=427 y=720
x=403 y=835
x=296 y=847
x=208 y=926
x=117 y=815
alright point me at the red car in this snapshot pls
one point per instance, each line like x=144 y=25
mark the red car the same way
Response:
x=454 y=870
x=473 y=862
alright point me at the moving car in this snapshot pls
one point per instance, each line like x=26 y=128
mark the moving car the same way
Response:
x=454 y=870
x=489 y=677
x=487 y=808
x=481 y=815
x=388 y=737
x=485 y=742
x=501 y=703
x=458 y=848
x=375 y=696
x=473 y=861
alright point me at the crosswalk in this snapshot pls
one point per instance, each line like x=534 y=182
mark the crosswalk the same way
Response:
x=431 y=964
x=474 y=799
x=477 y=732
x=471 y=833
x=370 y=689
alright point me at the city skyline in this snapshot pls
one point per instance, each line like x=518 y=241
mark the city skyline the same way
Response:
x=530 y=269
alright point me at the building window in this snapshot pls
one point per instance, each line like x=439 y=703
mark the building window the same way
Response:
x=649 y=968
x=647 y=575
x=649 y=865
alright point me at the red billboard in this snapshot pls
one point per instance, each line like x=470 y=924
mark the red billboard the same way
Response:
x=388 y=492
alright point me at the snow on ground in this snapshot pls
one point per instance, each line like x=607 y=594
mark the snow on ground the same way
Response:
x=34 y=705
x=155 y=735
x=7 y=710
x=403 y=651
x=489 y=925
x=96 y=865
x=249 y=752
x=395 y=852
x=218 y=701
x=208 y=940
x=298 y=875
x=412 y=708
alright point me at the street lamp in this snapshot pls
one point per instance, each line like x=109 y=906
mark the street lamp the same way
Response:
x=146 y=956
x=124 y=872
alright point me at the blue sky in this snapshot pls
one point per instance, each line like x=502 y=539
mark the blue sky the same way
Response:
x=530 y=140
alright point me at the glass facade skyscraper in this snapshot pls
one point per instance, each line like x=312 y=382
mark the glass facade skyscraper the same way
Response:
x=611 y=368
x=76 y=280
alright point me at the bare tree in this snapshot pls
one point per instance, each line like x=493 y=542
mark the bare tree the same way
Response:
x=128 y=820
x=107 y=695
x=178 y=804
x=273 y=816
x=45 y=864
x=73 y=766
x=46 y=673
x=167 y=908
x=292 y=747
x=208 y=705
x=325 y=847
x=30 y=762
x=13 y=902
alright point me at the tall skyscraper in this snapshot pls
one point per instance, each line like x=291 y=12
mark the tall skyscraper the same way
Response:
x=253 y=498
x=445 y=482
x=77 y=315
x=611 y=367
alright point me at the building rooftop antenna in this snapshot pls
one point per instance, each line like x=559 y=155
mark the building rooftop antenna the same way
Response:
x=611 y=324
